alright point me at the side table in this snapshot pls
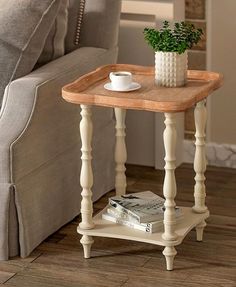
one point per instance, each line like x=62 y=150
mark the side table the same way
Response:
x=87 y=91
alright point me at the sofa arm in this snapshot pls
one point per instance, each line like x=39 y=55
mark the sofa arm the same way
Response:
x=101 y=23
x=25 y=100
x=39 y=148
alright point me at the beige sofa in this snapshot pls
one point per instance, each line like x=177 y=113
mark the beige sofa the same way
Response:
x=39 y=137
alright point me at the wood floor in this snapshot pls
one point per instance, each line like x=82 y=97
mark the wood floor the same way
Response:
x=59 y=260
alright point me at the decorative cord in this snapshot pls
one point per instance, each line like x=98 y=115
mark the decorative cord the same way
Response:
x=79 y=21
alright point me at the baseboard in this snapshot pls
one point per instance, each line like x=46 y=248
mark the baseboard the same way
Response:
x=223 y=155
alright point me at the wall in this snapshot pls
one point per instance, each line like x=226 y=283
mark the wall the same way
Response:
x=216 y=52
x=221 y=57
x=196 y=14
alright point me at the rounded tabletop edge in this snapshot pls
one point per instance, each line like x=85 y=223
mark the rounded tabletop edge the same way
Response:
x=75 y=92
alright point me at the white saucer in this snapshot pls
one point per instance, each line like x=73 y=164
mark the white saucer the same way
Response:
x=134 y=86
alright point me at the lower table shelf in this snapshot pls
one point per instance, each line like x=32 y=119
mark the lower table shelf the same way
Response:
x=104 y=228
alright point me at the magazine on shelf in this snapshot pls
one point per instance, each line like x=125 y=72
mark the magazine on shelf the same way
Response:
x=149 y=227
x=140 y=207
x=125 y=216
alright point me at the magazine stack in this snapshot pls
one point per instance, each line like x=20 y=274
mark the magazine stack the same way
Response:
x=143 y=211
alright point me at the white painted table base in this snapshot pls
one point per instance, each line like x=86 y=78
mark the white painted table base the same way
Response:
x=120 y=152
x=200 y=116
x=86 y=177
x=173 y=233
x=169 y=188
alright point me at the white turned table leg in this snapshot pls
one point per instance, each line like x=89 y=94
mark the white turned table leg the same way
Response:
x=199 y=230
x=200 y=115
x=86 y=177
x=87 y=242
x=169 y=188
x=120 y=152
x=169 y=253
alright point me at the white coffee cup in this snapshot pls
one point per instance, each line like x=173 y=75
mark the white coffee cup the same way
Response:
x=121 y=80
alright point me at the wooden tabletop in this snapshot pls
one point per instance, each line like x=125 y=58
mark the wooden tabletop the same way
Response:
x=89 y=90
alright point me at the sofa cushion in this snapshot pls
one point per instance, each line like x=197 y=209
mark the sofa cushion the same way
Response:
x=75 y=19
x=24 y=27
x=55 y=43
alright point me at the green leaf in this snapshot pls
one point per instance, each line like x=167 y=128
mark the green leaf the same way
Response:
x=182 y=37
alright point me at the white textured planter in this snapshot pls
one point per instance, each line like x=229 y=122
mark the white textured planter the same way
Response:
x=171 y=69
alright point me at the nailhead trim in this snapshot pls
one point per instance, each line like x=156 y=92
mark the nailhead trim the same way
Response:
x=79 y=21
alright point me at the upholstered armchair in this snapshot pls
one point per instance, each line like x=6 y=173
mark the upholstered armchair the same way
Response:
x=39 y=135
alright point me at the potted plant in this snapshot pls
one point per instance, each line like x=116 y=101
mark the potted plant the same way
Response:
x=170 y=46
